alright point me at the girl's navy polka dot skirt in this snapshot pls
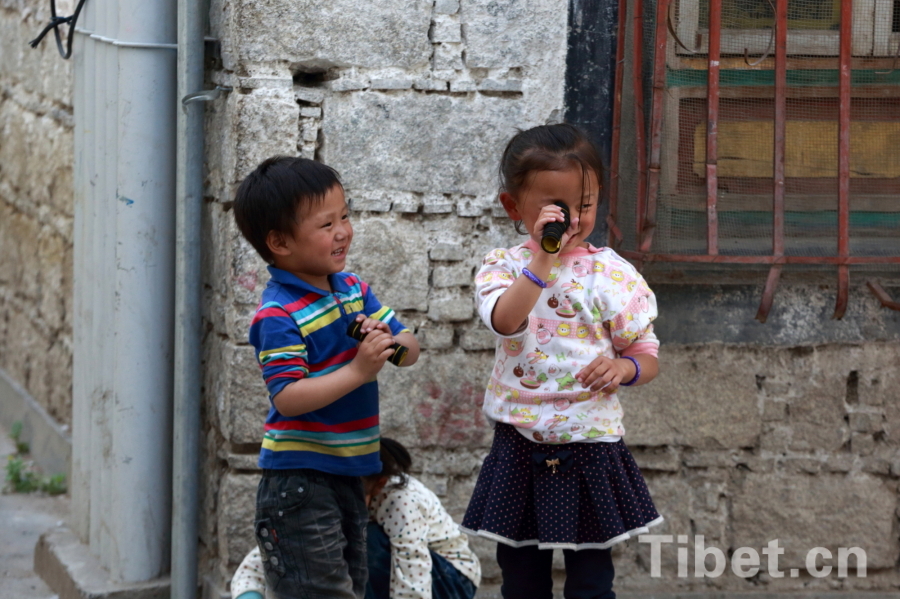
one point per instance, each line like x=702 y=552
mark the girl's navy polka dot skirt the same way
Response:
x=574 y=496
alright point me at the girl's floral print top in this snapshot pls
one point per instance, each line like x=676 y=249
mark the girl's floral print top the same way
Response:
x=595 y=304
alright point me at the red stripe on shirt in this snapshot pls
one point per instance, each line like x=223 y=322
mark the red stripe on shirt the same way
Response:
x=309 y=298
x=288 y=362
x=320 y=427
x=344 y=356
x=269 y=312
x=290 y=374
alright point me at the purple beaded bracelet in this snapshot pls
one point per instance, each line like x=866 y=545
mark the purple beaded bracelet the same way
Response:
x=637 y=371
x=534 y=278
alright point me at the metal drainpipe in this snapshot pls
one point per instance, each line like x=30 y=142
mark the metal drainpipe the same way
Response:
x=106 y=236
x=187 y=375
x=140 y=417
x=82 y=101
x=124 y=105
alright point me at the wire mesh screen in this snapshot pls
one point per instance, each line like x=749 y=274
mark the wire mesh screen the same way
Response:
x=634 y=96
x=742 y=132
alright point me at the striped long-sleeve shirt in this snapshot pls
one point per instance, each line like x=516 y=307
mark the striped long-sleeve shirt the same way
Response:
x=300 y=331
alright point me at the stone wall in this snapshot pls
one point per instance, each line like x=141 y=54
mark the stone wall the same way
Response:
x=746 y=444
x=35 y=208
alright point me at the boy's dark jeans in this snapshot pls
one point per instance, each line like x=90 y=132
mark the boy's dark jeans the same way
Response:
x=311 y=531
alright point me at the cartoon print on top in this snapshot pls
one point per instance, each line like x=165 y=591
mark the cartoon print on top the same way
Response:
x=566 y=382
x=554 y=273
x=644 y=304
x=556 y=421
x=500 y=367
x=543 y=335
x=565 y=310
x=537 y=356
x=561 y=404
x=617 y=276
x=592 y=313
x=532 y=379
x=525 y=416
x=495 y=256
x=579 y=269
x=513 y=347
x=572 y=286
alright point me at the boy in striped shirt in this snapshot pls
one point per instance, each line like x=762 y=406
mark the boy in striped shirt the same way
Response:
x=321 y=433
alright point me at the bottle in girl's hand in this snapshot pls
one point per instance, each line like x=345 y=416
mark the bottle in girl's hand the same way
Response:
x=563 y=477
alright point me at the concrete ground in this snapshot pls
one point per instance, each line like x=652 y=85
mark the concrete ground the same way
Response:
x=23 y=518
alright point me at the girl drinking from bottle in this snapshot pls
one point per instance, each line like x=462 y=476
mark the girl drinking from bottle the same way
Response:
x=571 y=327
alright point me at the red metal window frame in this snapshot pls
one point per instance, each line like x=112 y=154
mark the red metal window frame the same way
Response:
x=648 y=189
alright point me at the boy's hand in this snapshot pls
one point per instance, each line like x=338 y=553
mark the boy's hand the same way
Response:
x=605 y=373
x=373 y=351
x=371 y=324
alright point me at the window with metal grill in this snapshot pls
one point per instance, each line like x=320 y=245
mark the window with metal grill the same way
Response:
x=767 y=137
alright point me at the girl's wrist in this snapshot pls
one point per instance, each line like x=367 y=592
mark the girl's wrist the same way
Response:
x=541 y=263
x=637 y=372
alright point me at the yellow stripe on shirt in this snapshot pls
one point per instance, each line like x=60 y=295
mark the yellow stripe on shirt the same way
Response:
x=344 y=452
x=356 y=305
x=293 y=350
x=320 y=321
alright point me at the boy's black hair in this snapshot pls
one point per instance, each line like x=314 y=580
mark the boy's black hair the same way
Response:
x=267 y=198
x=395 y=461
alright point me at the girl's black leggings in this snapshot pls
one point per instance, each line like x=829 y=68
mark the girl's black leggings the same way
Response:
x=527 y=573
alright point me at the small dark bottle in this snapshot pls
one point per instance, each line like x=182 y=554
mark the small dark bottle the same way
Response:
x=551 y=239
x=400 y=351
